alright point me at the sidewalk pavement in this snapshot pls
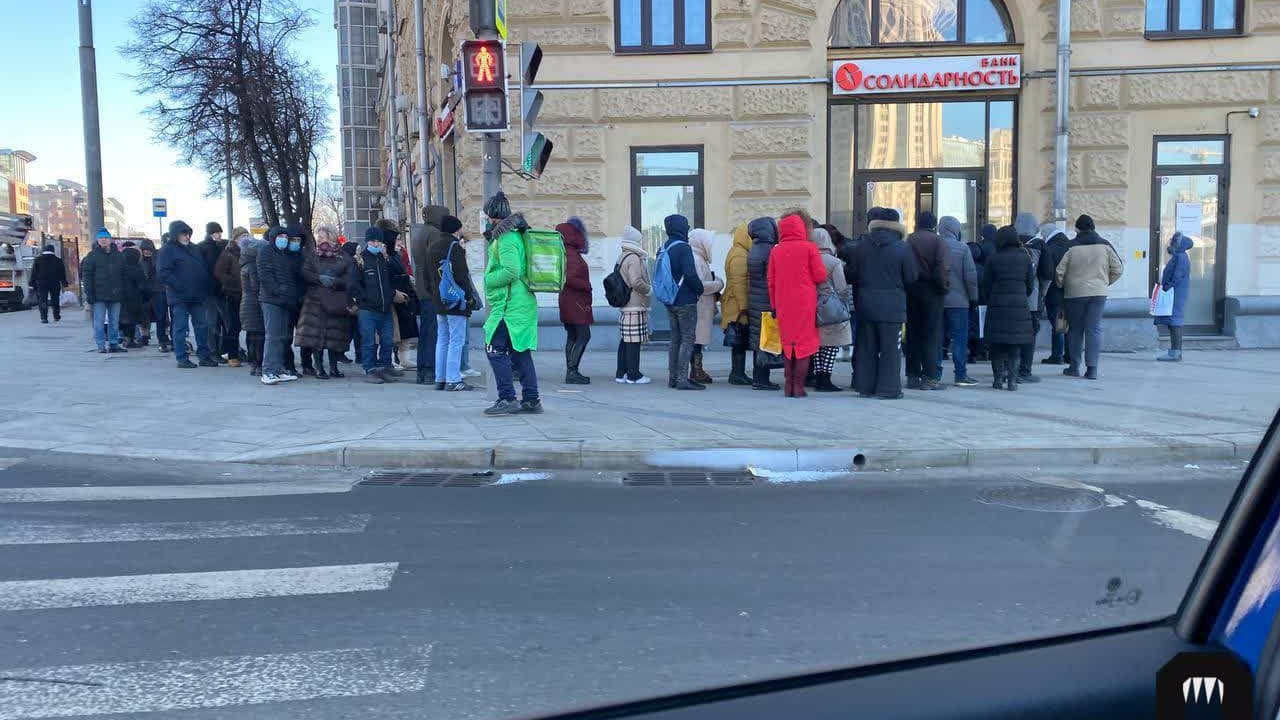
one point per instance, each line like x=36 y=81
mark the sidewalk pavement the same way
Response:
x=64 y=396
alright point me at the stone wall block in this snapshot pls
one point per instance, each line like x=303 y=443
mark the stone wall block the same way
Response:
x=783 y=28
x=1271 y=165
x=1197 y=88
x=574 y=36
x=770 y=139
x=732 y=33
x=1102 y=169
x=791 y=176
x=567 y=105
x=588 y=143
x=1106 y=206
x=666 y=103
x=773 y=101
x=1100 y=92
x=745 y=210
x=748 y=178
x=566 y=179
x=534 y=8
x=1098 y=130
x=589 y=8
x=1270 y=207
x=1125 y=21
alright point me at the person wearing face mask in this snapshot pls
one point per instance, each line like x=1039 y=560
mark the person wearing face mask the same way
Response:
x=187 y=281
x=1176 y=278
x=210 y=249
x=157 y=310
x=278 y=291
x=324 y=323
x=297 y=248
x=102 y=275
x=227 y=274
x=250 y=307
x=376 y=299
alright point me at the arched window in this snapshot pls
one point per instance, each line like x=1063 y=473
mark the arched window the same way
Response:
x=859 y=23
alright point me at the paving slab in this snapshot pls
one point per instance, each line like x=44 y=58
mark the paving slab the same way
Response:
x=65 y=397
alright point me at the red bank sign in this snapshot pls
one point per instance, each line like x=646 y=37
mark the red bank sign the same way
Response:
x=926 y=74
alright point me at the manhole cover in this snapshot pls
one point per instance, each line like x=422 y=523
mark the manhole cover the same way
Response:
x=1042 y=499
x=389 y=478
x=688 y=478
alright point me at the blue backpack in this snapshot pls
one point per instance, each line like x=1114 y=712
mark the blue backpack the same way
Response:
x=665 y=285
x=452 y=296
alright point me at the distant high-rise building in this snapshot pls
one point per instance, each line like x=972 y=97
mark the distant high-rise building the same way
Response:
x=114 y=217
x=13 y=167
x=358 y=58
x=61 y=208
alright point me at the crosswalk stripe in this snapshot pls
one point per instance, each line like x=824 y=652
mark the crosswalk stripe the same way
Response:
x=45 y=533
x=8 y=462
x=177 y=587
x=157 y=686
x=169 y=492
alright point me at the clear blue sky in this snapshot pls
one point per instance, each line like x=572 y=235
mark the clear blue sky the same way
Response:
x=40 y=107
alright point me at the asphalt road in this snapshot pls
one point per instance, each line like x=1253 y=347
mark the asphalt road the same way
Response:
x=218 y=591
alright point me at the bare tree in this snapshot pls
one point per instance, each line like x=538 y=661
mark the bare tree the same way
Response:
x=330 y=203
x=219 y=65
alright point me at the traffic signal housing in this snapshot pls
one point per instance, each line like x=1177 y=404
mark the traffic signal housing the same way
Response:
x=484 y=85
x=535 y=148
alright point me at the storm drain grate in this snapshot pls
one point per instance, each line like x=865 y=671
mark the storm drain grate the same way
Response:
x=382 y=478
x=683 y=478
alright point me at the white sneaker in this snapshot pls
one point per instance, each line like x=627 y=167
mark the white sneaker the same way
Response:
x=471 y=373
x=622 y=381
x=287 y=376
x=398 y=366
x=269 y=379
x=644 y=380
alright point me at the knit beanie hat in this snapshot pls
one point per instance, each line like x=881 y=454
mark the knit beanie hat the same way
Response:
x=373 y=234
x=1084 y=223
x=630 y=234
x=450 y=224
x=103 y=233
x=497 y=207
x=927 y=221
x=211 y=228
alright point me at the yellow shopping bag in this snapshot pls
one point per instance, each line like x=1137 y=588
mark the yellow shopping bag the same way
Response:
x=770 y=339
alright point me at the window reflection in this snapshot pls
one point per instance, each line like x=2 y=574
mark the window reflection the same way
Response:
x=1000 y=170
x=917 y=21
x=922 y=135
x=664 y=22
x=695 y=23
x=1190 y=16
x=629 y=22
x=1191 y=152
x=667 y=163
x=840 y=164
x=907 y=21
x=1224 y=14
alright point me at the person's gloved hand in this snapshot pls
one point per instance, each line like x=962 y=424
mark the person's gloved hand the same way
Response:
x=326 y=280
x=473 y=303
x=401 y=298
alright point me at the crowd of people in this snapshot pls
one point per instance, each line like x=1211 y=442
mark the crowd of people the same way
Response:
x=795 y=294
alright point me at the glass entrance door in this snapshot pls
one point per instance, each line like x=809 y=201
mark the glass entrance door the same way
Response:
x=1189 y=196
x=942 y=192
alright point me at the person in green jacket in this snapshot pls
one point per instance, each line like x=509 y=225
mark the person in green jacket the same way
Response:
x=511 y=330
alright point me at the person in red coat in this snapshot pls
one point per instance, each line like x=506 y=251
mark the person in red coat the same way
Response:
x=795 y=270
x=575 y=299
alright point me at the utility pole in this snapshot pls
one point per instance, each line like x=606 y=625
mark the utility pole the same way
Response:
x=424 y=130
x=1062 y=124
x=226 y=127
x=89 y=109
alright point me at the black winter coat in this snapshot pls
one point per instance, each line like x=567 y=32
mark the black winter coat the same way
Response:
x=882 y=269
x=102 y=275
x=210 y=251
x=373 y=288
x=133 y=299
x=250 y=307
x=407 y=312
x=1007 y=284
x=461 y=274
x=48 y=272
x=1054 y=250
x=279 y=276
x=764 y=238
x=318 y=328
x=846 y=254
x=183 y=274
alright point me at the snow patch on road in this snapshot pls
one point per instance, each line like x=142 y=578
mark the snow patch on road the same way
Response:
x=796 y=476
x=519 y=477
x=1193 y=525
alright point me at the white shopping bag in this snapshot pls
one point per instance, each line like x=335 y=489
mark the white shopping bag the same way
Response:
x=982 y=321
x=68 y=299
x=1161 y=301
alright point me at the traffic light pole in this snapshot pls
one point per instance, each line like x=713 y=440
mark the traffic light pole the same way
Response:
x=491 y=146
x=89 y=109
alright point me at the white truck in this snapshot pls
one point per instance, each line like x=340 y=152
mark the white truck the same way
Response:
x=16 y=259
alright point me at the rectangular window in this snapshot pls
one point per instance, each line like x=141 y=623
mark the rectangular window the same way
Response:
x=665 y=181
x=662 y=26
x=1194 y=18
x=1191 y=151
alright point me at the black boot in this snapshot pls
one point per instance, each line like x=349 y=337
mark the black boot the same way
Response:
x=761 y=381
x=997 y=371
x=738 y=371
x=307 y=367
x=822 y=383
x=334 y=359
x=573 y=358
x=1011 y=374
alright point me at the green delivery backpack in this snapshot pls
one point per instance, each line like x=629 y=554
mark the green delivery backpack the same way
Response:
x=544 y=255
